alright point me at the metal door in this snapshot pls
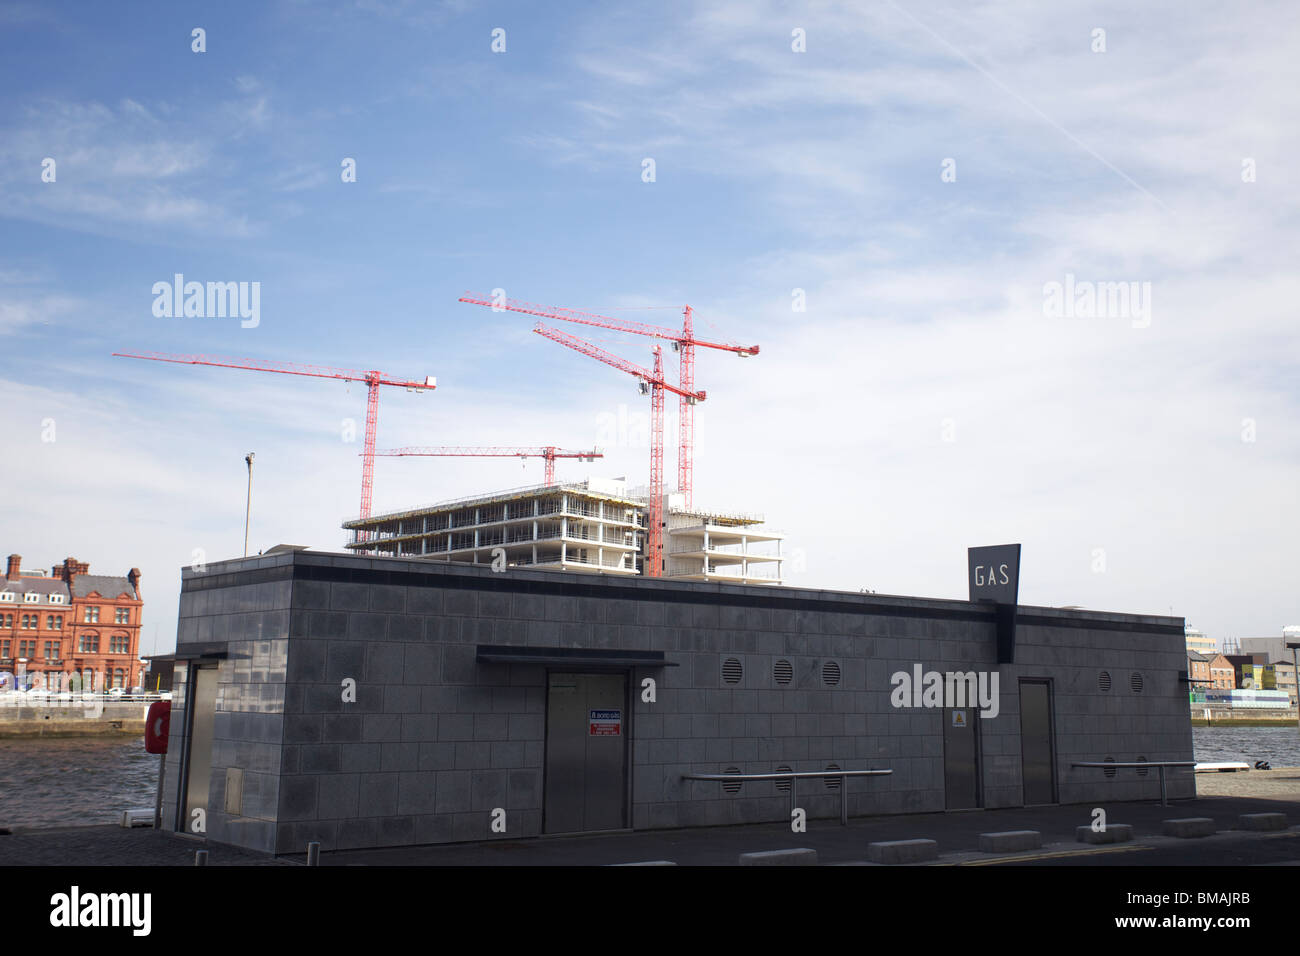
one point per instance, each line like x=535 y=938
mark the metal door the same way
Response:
x=198 y=776
x=961 y=770
x=586 y=752
x=1037 y=756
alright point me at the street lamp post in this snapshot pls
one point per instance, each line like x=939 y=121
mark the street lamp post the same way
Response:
x=248 y=505
x=1295 y=645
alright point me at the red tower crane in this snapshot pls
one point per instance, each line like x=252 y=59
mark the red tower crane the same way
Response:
x=653 y=383
x=684 y=342
x=548 y=452
x=373 y=380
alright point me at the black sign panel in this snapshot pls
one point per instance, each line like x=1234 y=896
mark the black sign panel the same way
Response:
x=994 y=573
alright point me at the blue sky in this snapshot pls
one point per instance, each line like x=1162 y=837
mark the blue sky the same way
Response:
x=924 y=400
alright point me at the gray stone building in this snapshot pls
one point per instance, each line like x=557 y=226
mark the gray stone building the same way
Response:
x=379 y=701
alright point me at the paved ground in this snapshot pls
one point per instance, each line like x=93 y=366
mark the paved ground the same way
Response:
x=1223 y=798
x=116 y=846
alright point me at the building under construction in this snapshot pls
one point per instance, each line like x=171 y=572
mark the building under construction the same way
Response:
x=596 y=526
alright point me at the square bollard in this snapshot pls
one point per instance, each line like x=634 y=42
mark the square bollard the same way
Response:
x=902 y=851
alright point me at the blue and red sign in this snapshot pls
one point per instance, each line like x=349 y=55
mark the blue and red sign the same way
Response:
x=605 y=723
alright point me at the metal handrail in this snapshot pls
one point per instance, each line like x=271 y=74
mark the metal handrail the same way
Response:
x=1137 y=764
x=792 y=776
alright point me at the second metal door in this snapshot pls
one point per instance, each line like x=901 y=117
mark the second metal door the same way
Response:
x=961 y=764
x=586 y=752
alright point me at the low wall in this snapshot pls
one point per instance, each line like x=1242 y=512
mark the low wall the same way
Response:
x=90 y=718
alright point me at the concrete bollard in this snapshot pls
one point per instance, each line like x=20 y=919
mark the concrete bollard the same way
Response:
x=902 y=851
x=1114 y=833
x=647 y=863
x=1010 y=841
x=1187 y=827
x=1261 y=821
x=313 y=854
x=800 y=857
x=200 y=857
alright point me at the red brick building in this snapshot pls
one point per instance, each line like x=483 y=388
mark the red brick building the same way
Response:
x=70 y=629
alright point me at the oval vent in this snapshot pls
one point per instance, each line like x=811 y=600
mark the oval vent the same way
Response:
x=831 y=673
x=832 y=783
x=1109 y=771
x=729 y=787
x=783 y=785
x=1103 y=681
x=1142 y=771
x=732 y=672
x=1135 y=681
x=783 y=671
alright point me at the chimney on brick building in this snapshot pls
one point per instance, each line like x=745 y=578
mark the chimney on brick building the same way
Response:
x=134 y=577
x=15 y=567
x=69 y=569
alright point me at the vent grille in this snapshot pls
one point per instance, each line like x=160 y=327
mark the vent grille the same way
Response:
x=1135 y=681
x=732 y=672
x=1103 y=681
x=783 y=785
x=783 y=671
x=1142 y=771
x=729 y=787
x=830 y=673
x=1109 y=771
x=832 y=783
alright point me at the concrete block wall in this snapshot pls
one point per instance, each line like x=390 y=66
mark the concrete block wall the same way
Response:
x=434 y=740
x=248 y=625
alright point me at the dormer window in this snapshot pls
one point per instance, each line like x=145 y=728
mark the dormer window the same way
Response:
x=32 y=597
x=56 y=598
x=7 y=596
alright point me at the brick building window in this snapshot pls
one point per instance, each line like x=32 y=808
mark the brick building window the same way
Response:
x=26 y=648
x=30 y=621
x=58 y=622
x=122 y=616
x=6 y=620
x=119 y=644
x=4 y=648
x=51 y=650
x=92 y=615
x=89 y=644
x=119 y=678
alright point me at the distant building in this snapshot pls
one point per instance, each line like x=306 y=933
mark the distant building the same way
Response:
x=595 y=526
x=1274 y=648
x=1198 y=673
x=1222 y=674
x=1196 y=641
x=69 y=629
x=1284 y=672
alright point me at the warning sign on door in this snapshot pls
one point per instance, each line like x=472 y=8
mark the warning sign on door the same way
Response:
x=606 y=723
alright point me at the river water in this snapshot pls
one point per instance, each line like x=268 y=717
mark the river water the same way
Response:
x=52 y=782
